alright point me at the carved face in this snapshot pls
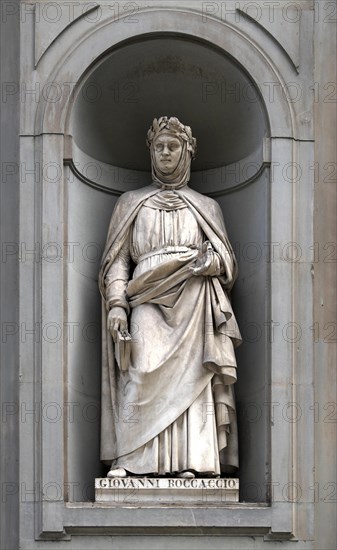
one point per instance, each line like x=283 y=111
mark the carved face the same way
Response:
x=167 y=152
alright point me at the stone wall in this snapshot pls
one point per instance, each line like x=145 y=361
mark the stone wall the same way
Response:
x=268 y=71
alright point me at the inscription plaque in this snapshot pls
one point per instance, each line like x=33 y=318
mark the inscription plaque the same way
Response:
x=137 y=491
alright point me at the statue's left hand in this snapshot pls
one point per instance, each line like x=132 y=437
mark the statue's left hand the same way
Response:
x=117 y=321
x=209 y=263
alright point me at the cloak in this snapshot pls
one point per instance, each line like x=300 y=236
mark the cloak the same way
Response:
x=218 y=359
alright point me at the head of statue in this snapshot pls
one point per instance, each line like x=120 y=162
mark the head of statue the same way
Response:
x=172 y=148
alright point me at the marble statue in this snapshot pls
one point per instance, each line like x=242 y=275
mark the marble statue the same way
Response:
x=168 y=405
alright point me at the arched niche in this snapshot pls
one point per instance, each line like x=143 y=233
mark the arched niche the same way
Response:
x=152 y=75
x=106 y=155
x=67 y=209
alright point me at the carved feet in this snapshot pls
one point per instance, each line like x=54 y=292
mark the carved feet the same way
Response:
x=187 y=474
x=117 y=472
x=121 y=472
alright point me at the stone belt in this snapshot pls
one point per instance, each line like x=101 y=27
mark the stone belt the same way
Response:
x=167 y=250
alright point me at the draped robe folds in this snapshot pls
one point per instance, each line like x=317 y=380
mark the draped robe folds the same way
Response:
x=174 y=409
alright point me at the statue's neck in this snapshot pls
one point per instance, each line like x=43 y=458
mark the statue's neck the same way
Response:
x=169 y=186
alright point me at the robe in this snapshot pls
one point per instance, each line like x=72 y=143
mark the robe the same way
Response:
x=174 y=409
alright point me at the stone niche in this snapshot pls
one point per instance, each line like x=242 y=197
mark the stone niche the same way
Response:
x=107 y=155
x=226 y=79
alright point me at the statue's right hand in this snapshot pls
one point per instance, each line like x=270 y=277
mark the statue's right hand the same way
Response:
x=117 y=321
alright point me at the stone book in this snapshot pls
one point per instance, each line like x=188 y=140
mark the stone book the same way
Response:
x=123 y=349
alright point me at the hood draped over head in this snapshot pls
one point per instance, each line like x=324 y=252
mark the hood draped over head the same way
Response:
x=181 y=174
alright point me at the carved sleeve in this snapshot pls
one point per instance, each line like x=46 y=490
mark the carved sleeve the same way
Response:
x=117 y=279
x=217 y=265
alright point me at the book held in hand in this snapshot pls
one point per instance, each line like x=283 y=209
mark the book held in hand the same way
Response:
x=123 y=349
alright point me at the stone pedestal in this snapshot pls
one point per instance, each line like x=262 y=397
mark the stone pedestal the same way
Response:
x=140 y=491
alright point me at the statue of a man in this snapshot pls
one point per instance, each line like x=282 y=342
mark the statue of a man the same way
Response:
x=165 y=275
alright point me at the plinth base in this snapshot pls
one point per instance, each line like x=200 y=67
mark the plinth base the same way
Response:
x=139 y=491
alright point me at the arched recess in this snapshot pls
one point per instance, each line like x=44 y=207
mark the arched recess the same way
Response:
x=240 y=184
x=136 y=81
